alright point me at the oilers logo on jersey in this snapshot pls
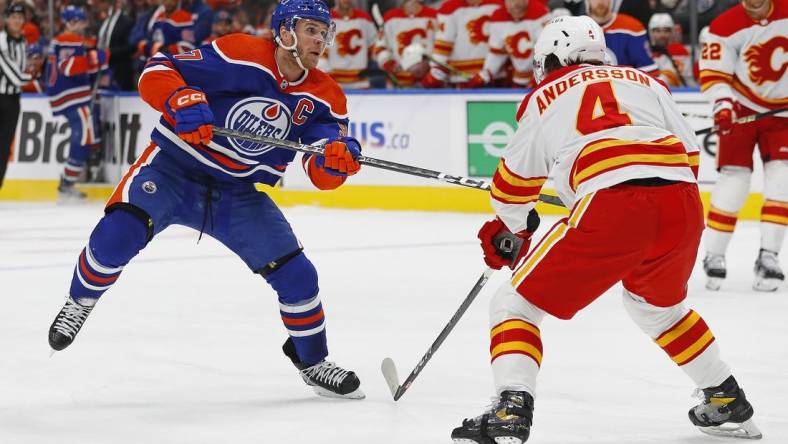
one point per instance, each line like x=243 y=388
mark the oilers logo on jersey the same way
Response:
x=261 y=116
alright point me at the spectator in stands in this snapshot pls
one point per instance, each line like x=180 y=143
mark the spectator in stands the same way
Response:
x=114 y=29
x=31 y=30
x=672 y=58
x=346 y=60
x=35 y=65
x=171 y=31
x=222 y=25
x=202 y=15
x=461 y=41
x=624 y=35
x=408 y=29
x=513 y=29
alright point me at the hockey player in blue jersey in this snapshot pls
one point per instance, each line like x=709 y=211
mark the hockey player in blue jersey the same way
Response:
x=74 y=61
x=625 y=37
x=188 y=176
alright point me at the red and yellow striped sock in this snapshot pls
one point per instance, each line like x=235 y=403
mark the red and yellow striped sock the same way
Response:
x=775 y=212
x=686 y=339
x=721 y=220
x=516 y=336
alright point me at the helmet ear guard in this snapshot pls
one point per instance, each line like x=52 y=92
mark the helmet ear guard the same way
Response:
x=571 y=40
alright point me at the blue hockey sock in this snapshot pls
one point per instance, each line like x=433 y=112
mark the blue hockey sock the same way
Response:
x=117 y=238
x=299 y=304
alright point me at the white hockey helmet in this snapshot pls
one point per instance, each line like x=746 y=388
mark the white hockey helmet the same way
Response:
x=660 y=20
x=571 y=40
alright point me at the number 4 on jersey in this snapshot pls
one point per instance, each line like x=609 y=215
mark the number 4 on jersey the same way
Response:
x=599 y=109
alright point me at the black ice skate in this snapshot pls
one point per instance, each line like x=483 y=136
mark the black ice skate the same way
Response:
x=714 y=266
x=67 y=324
x=768 y=275
x=326 y=378
x=725 y=412
x=507 y=422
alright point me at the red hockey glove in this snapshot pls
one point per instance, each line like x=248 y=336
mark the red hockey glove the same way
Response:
x=503 y=248
x=476 y=82
x=431 y=82
x=391 y=66
x=339 y=157
x=724 y=116
x=193 y=118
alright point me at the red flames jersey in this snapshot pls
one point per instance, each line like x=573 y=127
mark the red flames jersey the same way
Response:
x=745 y=60
x=400 y=31
x=675 y=66
x=514 y=39
x=591 y=127
x=355 y=38
x=461 y=40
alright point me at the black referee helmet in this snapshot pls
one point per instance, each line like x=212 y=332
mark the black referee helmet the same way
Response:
x=14 y=8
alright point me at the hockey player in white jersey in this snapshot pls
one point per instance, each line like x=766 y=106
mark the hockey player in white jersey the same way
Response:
x=354 y=41
x=742 y=73
x=625 y=162
x=514 y=29
x=672 y=59
x=412 y=28
x=461 y=41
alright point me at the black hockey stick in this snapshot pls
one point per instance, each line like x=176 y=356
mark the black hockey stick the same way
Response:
x=373 y=162
x=748 y=119
x=390 y=370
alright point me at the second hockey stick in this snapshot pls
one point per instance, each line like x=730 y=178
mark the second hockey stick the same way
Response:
x=748 y=119
x=373 y=162
x=390 y=370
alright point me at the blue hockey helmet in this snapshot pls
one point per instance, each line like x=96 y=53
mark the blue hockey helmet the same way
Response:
x=72 y=13
x=287 y=12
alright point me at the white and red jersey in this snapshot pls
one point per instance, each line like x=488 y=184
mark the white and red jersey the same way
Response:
x=353 y=43
x=626 y=126
x=514 y=40
x=674 y=64
x=461 y=40
x=745 y=60
x=400 y=31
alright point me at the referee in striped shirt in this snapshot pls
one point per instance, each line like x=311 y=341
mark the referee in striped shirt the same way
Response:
x=13 y=62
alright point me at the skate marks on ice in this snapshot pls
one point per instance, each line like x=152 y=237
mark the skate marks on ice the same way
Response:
x=173 y=352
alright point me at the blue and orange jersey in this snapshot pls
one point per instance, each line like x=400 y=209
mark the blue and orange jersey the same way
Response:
x=246 y=92
x=170 y=33
x=70 y=72
x=627 y=40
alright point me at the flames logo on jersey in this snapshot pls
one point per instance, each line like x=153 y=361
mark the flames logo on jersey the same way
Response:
x=475 y=29
x=261 y=116
x=519 y=45
x=760 y=57
x=345 y=43
x=405 y=38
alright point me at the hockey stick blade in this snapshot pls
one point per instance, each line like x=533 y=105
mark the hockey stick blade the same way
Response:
x=390 y=375
x=373 y=162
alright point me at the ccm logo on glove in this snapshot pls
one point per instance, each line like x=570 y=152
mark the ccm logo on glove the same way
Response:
x=194 y=97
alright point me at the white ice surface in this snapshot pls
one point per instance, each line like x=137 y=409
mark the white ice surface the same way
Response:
x=186 y=347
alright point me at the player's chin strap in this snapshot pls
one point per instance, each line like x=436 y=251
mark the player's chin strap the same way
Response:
x=292 y=48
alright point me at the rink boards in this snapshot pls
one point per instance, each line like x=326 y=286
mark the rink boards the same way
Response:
x=461 y=133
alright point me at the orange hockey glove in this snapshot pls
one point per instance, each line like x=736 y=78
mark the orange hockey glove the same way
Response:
x=340 y=157
x=188 y=106
x=431 y=82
